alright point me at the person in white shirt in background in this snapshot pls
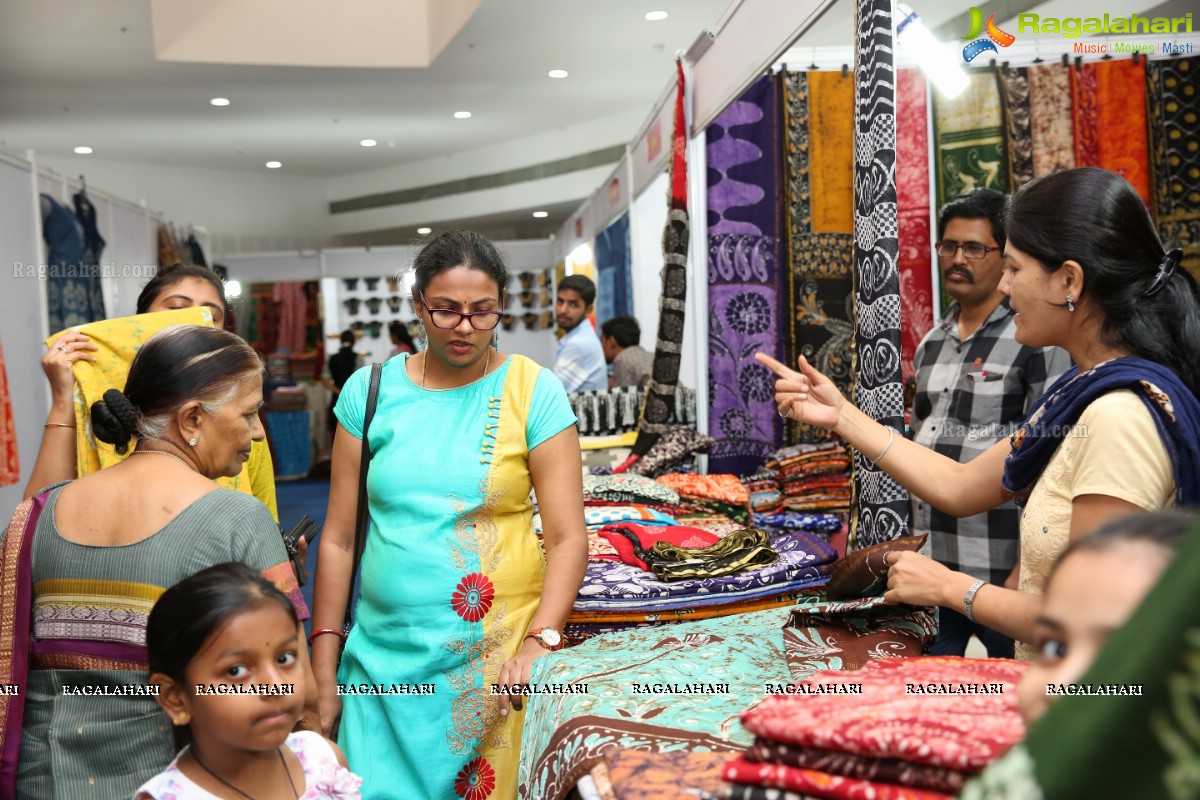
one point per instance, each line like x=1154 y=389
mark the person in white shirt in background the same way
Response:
x=579 y=363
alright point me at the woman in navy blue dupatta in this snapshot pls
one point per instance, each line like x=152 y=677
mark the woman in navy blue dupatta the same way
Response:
x=1117 y=434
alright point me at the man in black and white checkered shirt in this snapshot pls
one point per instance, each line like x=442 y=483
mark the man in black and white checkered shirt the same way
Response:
x=975 y=384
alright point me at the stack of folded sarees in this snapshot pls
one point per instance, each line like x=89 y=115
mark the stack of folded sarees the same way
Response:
x=763 y=487
x=708 y=494
x=746 y=571
x=897 y=729
x=813 y=477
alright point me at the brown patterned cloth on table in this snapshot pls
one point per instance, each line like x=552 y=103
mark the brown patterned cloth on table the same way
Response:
x=830 y=634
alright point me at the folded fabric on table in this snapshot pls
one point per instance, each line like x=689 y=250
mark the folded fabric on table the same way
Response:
x=832 y=502
x=633 y=542
x=596 y=517
x=825 y=467
x=566 y=733
x=721 y=488
x=601 y=549
x=705 y=508
x=687 y=613
x=713 y=523
x=738 y=551
x=674 y=446
x=795 y=456
x=962 y=716
x=804 y=559
x=578 y=630
x=763 y=487
x=795 y=521
x=830 y=634
x=815 y=484
x=880 y=770
x=677 y=775
x=819 y=784
x=628 y=488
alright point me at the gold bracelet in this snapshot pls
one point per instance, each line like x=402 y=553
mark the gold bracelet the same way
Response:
x=58 y=425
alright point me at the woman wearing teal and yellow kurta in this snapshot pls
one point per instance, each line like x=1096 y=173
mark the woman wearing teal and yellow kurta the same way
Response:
x=455 y=592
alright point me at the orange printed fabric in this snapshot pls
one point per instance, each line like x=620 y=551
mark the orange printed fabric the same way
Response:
x=722 y=488
x=678 y=775
x=820 y=784
x=1108 y=108
x=903 y=711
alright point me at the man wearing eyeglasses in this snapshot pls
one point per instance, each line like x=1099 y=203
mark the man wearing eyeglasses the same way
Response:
x=975 y=384
x=580 y=363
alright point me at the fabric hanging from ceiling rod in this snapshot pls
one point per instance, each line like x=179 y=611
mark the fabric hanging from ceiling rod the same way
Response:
x=912 y=201
x=744 y=278
x=614 y=271
x=664 y=377
x=881 y=508
x=1108 y=108
x=1040 y=137
x=969 y=143
x=820 y=119
x=1173 y=106
x=818 y=112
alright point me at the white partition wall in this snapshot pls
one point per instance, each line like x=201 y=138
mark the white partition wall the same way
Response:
x=333 y=266
x=21 y=322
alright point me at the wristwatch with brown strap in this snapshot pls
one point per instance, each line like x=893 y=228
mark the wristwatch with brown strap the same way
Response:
x=547 y=637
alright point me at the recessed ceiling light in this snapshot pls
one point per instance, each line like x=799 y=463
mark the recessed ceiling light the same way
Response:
x=424 y=231
x=274 y=164
x=368 y=143
x=219 y=101
x=462 y=114
x=557 y=73
x=655 y=16
x=83 y=151
x=541 y=214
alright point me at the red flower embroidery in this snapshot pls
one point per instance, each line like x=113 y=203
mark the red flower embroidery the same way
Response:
x=476 y=780
x=473 y=597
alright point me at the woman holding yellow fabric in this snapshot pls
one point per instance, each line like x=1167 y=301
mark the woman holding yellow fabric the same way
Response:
x=79 y=371
x=456 y=593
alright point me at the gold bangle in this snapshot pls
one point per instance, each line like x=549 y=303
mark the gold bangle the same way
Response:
x=58 y=425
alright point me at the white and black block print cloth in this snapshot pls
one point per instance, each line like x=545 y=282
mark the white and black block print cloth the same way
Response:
x=881 y=505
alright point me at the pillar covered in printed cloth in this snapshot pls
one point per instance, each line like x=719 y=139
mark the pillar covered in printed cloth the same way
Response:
x=881 y=505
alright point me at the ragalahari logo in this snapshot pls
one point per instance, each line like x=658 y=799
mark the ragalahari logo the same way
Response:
x=995 y=36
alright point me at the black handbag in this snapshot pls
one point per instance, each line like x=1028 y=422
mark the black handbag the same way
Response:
x=362 y=517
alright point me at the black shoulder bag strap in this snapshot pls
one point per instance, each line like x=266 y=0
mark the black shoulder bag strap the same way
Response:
x=362 y=517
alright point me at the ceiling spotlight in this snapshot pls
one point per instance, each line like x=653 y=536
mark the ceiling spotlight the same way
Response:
x=274 y=164
x=557 y=73
x=541 y=214
x=462 y=114
x=424 y=231
x=368 y=142
x=83 y=151
x=655 y=16
x=233 y=288
x=219 y=101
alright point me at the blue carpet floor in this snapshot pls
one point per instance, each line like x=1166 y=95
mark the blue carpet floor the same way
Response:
x=297 y=499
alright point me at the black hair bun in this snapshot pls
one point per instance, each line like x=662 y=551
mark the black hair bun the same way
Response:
x=114 y=420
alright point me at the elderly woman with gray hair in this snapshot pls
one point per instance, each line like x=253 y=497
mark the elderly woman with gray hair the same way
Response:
x=82 y=563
